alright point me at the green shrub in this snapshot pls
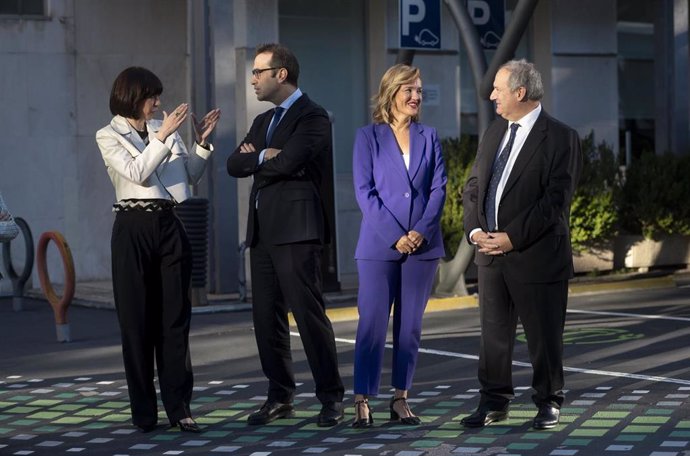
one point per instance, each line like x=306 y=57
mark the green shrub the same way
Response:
x=458 y=155
x=591 y=219
x=652 y=198
x=655 y=197
x=594 y=213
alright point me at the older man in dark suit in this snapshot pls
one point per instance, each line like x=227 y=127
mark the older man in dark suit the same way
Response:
x=517 y=205
x=285 y=151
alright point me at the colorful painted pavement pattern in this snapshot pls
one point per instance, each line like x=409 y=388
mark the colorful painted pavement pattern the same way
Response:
x=626 y=367
x=90 y=416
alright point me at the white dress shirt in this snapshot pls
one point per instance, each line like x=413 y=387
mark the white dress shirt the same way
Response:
x=526 y=124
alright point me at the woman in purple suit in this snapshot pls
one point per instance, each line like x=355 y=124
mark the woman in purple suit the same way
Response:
x=400 y=185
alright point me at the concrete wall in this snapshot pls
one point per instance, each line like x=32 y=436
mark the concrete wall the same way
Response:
x=224 y=264
x=38 y=118
x=56 y=73
x=330 y=42
x=108 y=38
x=55 y=78
x=580 y=64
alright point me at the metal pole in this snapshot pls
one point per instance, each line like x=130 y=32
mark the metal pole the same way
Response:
x=475 y=54
x=509 y=43
x=405 y=56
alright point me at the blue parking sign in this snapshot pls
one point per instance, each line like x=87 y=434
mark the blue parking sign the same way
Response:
x=489 y=18
x=420 y=24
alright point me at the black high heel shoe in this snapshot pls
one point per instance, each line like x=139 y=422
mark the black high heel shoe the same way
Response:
x=189 y=426
x=410 y=420
x=362 y=421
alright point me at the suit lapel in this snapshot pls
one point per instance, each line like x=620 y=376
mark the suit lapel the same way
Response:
x=388 y=148
x=417 y=148
x=490 y=143
x=529 y=148
x=288 y=117
x=128 y=138
x=260 y=142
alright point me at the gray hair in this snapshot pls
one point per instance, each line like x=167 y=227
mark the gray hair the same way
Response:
x=524 y=74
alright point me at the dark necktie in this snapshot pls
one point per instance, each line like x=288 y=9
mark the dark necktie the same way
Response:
x=496 y=173
x=278 y=112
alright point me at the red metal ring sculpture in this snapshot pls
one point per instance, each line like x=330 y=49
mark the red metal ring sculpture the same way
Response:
x=58 y=304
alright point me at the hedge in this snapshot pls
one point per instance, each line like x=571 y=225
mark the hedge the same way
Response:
x=651 y=197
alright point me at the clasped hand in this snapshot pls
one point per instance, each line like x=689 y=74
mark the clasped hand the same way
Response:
x=246 y=148
x=409 y=243
x=497 y=243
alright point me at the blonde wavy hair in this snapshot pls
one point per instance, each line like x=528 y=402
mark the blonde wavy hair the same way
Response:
x=394 y=78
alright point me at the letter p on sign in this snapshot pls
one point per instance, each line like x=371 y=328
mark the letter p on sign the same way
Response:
x=412 y=11
x=420 y=24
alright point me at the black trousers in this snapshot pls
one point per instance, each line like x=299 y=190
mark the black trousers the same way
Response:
x=288 y=277
x=541 y=308
x=151 y=266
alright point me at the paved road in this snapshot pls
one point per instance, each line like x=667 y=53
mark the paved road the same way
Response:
x=628 y=376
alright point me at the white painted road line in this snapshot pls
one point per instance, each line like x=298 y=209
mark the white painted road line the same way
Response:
x=629 y=315
x=650 y=378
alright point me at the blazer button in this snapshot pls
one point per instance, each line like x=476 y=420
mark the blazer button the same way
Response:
x=407 y=195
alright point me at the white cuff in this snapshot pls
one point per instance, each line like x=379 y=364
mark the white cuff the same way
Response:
x=476 y=230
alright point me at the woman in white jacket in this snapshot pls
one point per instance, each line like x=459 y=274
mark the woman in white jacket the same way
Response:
x=151 y=171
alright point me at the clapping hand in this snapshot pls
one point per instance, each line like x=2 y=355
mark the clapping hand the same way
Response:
x=204 y=127
x=172 y=121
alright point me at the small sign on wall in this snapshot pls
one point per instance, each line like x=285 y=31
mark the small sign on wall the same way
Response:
x=431 y=95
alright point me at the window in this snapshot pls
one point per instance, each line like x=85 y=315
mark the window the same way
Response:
x=22 y=7
x=636 y=82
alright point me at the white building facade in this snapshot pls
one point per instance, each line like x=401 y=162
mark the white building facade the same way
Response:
x=617 y=68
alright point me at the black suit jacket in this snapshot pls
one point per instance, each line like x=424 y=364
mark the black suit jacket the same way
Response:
x=535 y=206
x=289 y=204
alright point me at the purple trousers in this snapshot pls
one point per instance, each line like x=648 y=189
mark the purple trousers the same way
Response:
x=405 y=285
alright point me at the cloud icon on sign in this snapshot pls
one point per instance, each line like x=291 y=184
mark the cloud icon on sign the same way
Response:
x=426 y=38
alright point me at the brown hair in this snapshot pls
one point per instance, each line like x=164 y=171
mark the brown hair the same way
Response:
x=131 y=88
x=394 y=78
x=282 y=57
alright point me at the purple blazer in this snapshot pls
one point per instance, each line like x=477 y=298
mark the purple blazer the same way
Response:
x=394 y=200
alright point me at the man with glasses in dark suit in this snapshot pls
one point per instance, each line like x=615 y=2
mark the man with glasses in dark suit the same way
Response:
x=285 y=151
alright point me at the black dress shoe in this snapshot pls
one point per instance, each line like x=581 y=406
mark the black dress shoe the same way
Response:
x=483 y=416
x=189 y=426
x=547 y=417
x=331 y=414
x=146 y=428
x=271 y=411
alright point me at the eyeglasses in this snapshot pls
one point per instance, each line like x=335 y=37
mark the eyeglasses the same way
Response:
x=257 y=72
